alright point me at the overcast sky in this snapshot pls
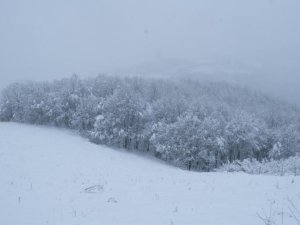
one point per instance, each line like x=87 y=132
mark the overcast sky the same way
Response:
x=46 y=39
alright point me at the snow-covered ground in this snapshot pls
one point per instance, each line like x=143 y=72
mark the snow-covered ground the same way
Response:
x=52 y=176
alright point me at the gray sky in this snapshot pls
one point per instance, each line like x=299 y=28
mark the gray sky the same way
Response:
x=46 y=39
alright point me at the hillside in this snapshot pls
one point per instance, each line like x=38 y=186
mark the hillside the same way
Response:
x=51 y=176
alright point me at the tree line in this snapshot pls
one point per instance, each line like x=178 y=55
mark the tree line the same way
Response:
x=191 y=124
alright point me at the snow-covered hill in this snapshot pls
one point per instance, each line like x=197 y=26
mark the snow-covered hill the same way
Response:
x=52 y=176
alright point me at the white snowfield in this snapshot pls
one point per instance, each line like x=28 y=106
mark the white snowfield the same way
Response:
x=52 y=176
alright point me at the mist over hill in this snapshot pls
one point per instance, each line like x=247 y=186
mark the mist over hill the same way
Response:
x=280 y=82
x=255 y=43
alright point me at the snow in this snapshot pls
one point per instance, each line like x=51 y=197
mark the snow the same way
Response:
x=53 y=176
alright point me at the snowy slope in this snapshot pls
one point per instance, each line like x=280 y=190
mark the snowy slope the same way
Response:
x=52 y=176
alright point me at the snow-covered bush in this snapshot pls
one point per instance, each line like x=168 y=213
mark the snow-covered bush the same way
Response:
x=289 y=166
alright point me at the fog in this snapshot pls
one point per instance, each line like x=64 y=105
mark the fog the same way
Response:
x=255 y=42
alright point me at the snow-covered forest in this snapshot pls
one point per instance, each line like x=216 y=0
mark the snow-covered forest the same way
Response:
x=191 y=124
